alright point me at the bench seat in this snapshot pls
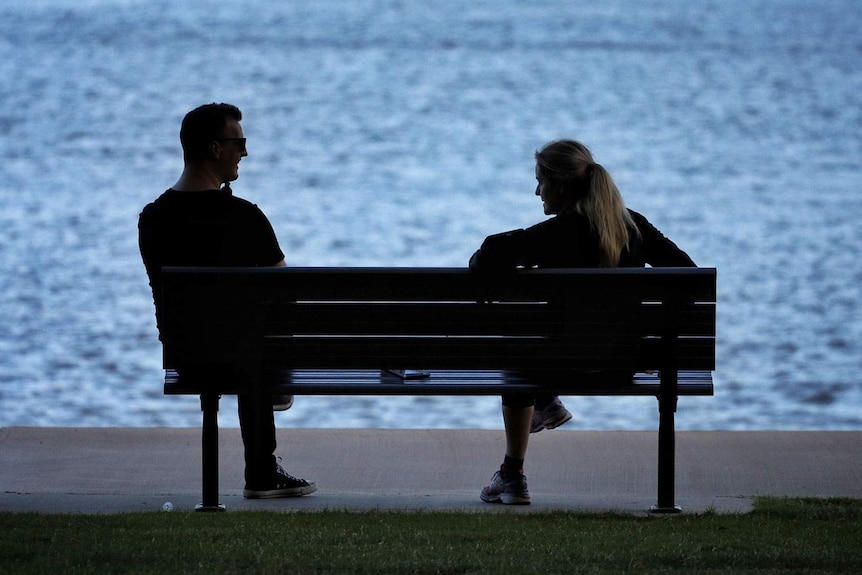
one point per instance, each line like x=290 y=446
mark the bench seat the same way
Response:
x=444 y=382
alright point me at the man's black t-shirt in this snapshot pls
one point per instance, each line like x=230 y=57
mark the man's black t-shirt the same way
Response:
x=204 y=228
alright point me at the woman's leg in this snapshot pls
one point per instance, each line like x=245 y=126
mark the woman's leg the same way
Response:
x=508 y=485
x=517 y=422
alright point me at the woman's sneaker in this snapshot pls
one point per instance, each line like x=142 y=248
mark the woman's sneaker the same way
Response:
x=283 y=484
x=552 y=415
x=508 y=488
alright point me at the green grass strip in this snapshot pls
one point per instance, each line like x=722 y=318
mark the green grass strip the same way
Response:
x=808 y=536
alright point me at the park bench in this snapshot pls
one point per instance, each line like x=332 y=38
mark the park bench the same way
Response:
x=334 y=331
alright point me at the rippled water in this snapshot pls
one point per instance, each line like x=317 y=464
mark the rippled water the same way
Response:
x=401 y=133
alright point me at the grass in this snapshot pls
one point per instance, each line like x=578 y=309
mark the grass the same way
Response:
x=808 y=536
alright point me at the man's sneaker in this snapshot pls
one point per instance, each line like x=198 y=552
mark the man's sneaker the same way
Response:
x=553 y=415
x=282 y=402
x=507 y=488
x=283 y=484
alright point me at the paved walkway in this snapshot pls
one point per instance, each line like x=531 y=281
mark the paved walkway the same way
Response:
x=110 y=470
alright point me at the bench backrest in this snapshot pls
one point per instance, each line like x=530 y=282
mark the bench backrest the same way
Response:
x=439 y=318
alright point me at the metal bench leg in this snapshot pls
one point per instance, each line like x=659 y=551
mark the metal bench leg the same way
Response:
x=209 y=443
x=666 y=447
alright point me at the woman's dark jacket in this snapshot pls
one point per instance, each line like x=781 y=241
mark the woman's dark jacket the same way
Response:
x=568 y=241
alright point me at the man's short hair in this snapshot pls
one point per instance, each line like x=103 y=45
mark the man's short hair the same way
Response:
x=203 y=125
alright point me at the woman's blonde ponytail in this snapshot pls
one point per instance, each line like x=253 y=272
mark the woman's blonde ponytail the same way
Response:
x=569 y=165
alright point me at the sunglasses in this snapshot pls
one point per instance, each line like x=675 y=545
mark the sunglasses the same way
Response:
x=240 y=141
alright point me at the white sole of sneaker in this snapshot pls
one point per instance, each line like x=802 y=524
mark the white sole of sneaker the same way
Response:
x=505 y=499
x=278 y=493
x=553 y=424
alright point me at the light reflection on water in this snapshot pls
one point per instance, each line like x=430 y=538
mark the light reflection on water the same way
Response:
x=402 y=134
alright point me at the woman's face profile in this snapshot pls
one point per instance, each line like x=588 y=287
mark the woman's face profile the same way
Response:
x=551 y=201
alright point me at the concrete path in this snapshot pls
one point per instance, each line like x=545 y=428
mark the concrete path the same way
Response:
x=111 y=470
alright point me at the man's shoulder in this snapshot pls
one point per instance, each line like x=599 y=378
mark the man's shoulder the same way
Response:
x=243 y=203
x=156 y=206
x=172 y=201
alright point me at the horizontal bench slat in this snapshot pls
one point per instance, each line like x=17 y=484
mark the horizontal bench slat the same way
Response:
x=446 y=284
x=351 y=352
x=441 y=383
x=393 y=318
x=469 y=353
